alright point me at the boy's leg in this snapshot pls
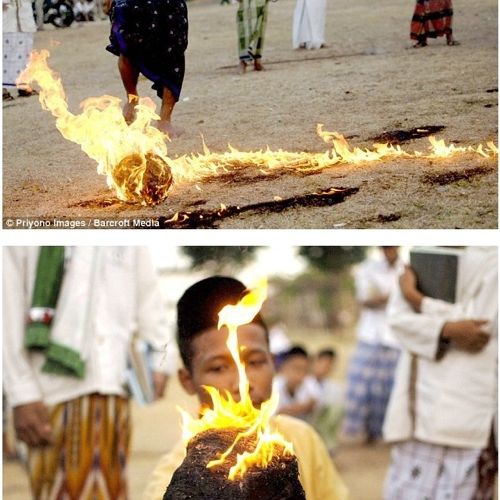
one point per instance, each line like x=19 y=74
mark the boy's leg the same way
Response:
x=167 y=105
x=130 y=76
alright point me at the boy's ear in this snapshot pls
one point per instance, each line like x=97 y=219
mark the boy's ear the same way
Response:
x=186 y=380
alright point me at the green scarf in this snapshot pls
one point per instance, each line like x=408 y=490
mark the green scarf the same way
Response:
x=59 y=359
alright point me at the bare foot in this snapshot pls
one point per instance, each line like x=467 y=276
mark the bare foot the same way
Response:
x=129 y=109
x=451 y=41
x=420 y=44
x=257 y=65
x=242 y=67
x=26 y=92
x=167 y=128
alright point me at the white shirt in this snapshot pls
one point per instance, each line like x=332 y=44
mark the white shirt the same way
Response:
x=107 y=294
x=307 y=390
x=332 y=392
x=374 y=278
x=455 y=397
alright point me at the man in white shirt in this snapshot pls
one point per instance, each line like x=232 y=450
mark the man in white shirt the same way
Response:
x=443 y=406
x=371 y=370
x=77 y=425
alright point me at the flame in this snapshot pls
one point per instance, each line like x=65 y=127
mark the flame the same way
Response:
x=126 y=154
x=226 y=412
x=135 y=158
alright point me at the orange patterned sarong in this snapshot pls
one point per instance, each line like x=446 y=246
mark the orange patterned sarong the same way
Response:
x=89 y=456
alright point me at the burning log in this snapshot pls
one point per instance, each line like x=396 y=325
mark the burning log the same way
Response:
x=143 y=179
x=279 y=480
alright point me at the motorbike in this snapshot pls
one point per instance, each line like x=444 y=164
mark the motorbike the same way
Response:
x=57 y=12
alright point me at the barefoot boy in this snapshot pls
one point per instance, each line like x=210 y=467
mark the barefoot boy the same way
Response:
x=207 y=361
x=150 y=37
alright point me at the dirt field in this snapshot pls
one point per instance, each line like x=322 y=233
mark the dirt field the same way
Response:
x=367 y=82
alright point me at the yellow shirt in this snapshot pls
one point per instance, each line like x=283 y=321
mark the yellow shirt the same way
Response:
x=317 y=474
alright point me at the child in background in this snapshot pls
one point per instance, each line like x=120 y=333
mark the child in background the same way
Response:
x=329 y=415
x=299 y=394
x=208 y=362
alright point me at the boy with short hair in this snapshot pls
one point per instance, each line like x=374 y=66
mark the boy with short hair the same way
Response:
x=208 y=362
x=299 y=393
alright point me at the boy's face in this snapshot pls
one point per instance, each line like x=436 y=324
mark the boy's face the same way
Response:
x=391 y=254
x=213 y=365
x=295 y=369
x=323 y=366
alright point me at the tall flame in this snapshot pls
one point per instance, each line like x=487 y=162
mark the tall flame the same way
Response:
x=134 y=157
x=227 y=412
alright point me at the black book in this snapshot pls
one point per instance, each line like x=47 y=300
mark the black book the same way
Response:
x=437 y=272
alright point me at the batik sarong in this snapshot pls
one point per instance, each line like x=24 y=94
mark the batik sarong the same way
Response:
x=89 y=456
x=153 y=35
x=251 y=18
x=16 y=52
x=422 y=470
x=432 y=18
x=370 y=379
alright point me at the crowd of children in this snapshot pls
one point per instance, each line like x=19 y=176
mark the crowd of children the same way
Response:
x=307 y=391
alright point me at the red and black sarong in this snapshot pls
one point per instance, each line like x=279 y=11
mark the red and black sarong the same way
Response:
x=432 y=18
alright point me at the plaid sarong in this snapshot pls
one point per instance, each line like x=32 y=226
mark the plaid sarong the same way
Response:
x=89 y=456
x=487 y=468
x=421 y=471
x=432 y=18
x=370 y=378
x=251 y=18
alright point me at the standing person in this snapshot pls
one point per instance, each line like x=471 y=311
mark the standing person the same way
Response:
x=251 y=19
x=432 y=18
x=84 y=10
x=150 y=37
x=371 y=371
x=443 y=407
x=68 y=318
x=39 y=14
x=309 y=24
x=18 y=28
x=8 y=452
